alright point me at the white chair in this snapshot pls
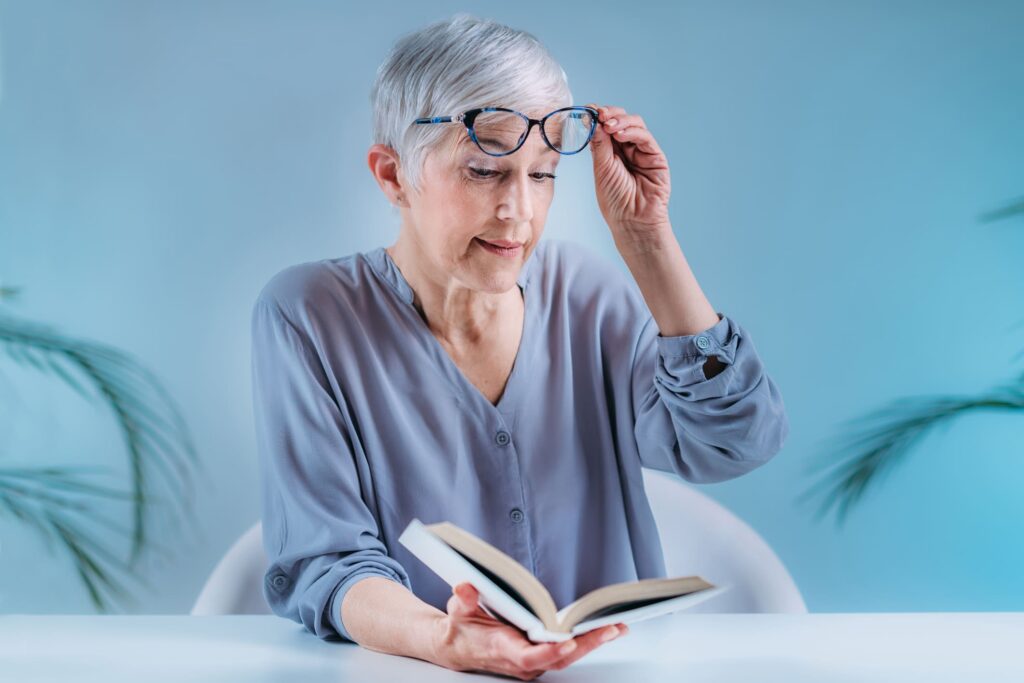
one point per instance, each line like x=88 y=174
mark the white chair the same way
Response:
x=698 y=536
x=236 y=584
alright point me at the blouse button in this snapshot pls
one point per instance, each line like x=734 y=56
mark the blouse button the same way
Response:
x=703 y=342
x=279 y=581
x=502 y=438
x=516 y=514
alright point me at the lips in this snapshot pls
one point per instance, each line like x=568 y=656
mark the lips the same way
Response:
x=504 y=244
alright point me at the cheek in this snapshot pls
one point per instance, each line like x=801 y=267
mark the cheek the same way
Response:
x=458 y=213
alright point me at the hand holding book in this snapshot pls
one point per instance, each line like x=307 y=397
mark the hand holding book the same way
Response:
x=510 y=593
x=469 y=639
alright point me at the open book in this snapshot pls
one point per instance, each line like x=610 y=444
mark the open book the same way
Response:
x=510 y=593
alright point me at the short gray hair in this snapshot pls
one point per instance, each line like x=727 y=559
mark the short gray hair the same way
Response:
x=454 y=65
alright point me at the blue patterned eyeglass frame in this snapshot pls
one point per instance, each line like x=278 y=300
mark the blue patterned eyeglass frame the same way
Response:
x=468 y=117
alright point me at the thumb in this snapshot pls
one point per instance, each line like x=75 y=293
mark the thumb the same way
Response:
x=600 y=145
x=464 y=600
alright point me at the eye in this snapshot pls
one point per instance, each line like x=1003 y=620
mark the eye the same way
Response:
x=487 y=173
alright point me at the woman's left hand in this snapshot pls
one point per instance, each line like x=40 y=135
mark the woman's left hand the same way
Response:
x=630 y=174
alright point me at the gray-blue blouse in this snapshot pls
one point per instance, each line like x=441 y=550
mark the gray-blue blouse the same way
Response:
x=363 y=422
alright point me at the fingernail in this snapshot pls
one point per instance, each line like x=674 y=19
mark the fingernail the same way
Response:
x=609 y=634
x=610 y=122
x=567 y=648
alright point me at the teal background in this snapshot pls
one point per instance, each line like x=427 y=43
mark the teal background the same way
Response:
x=160 y=161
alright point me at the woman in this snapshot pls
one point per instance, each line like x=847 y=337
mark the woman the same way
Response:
x=471 y=372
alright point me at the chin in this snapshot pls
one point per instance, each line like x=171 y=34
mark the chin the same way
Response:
x=497 y=281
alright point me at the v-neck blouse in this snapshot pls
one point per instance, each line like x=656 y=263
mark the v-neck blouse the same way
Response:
x=461 y=386
x=364 y=422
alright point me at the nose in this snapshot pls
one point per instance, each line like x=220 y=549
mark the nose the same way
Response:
x=516 y=202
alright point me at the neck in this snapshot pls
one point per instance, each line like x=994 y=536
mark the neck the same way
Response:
x=456 y=313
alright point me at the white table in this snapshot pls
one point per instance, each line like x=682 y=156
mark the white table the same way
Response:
x=682 y=648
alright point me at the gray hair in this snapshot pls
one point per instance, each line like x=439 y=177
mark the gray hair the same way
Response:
x=454 y=65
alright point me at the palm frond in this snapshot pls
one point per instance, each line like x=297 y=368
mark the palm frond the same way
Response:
x=8 y=292
x=154 y=433
x=1014 y=208
x=49 y=499
x=878 y=442
x=875 y=443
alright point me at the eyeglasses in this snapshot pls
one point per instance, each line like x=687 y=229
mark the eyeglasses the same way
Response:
x=499 y=132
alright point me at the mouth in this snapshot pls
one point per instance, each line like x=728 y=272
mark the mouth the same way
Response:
x=500 y=247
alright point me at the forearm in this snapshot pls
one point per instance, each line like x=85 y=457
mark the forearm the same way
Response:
x=668 y=285
x=385 y=616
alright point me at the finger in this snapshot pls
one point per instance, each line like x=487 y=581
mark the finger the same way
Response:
x=588 y=642
x=570 y=649
x=464 y=601
x=623 y=121
x=606 y=112
x=641 y=137
x=542 y=655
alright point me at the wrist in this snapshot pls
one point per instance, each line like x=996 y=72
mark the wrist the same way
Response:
x=439 y=641
x=636 y=240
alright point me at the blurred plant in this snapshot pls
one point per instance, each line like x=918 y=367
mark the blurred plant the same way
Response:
x=880 y=440
x=57 y=501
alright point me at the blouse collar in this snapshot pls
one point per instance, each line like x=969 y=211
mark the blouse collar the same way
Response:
x=382 y=263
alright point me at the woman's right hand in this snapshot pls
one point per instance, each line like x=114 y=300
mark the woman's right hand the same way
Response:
x=469 y=639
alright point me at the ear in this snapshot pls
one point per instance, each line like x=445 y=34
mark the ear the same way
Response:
x=385 y=167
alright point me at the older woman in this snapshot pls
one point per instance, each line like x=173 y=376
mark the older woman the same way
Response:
x=472 y=372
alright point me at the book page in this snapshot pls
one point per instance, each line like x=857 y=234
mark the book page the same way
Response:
x=649 y=611
x=639 y=592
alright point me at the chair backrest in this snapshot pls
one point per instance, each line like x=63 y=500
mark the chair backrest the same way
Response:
x=698 y=536
x=236 y=584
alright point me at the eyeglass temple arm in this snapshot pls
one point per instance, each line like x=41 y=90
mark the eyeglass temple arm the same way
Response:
x=575 y=114
x=439 y=119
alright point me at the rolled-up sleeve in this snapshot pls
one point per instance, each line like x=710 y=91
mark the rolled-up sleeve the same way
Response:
x=318 y=532
x=705 y=430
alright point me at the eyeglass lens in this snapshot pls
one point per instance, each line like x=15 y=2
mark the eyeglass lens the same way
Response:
x=499 y=132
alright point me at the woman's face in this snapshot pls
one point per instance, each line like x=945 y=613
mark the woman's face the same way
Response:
x=468 y=198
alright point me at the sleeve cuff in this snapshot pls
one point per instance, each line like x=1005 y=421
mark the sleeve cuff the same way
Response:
x=686 y=354
x=339 y=596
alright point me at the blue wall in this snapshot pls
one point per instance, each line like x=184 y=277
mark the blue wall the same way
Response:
x=160 y=161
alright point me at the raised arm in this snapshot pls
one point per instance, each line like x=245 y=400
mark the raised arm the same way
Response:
x=704 y=429
x=705 y=407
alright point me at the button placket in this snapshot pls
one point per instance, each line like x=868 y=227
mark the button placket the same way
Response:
x=520 y=546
